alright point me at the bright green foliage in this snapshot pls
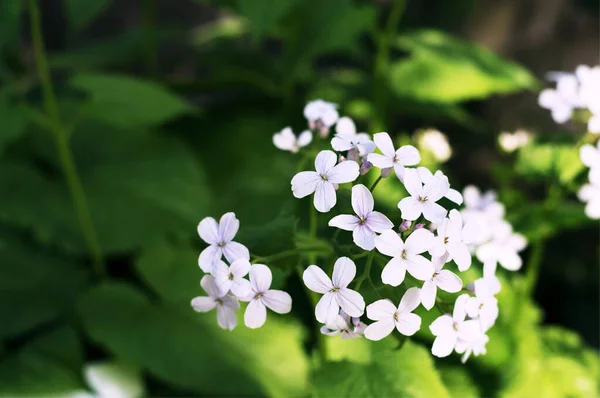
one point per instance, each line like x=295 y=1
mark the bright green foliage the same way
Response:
x=444 y=69
x=264 y=15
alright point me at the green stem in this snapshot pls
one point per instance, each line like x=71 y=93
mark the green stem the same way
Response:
x=314 y=298
x=532 y=272
x=61 y=139
x=381 y=67
x=374 y=185
x=366 y=273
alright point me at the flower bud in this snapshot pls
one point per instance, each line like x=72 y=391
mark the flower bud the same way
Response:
x=405 y=225
x=386 y=172
x=365 y=167
x=354 y=155
x=419 y=226
x=471 y=288
x=356 y=322
x=341 y=159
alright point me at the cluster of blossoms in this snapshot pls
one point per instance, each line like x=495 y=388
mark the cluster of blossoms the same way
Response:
x=590 y=192
x=429 y=237
x=574 y=91
x=227 y=284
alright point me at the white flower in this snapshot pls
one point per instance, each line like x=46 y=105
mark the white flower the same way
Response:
x=344 y=326
x=484 y=306
x=423 y=197
x=510 y=142
x=220 y=238
x=225 y=304
x=387 y=316
x=426 y=176
x=564 y=99
x=490 y=278
x=232 y=278
x=444 y=279
x=262 y=298
x=452 y=239
x=346 y=139
x=503 y=247
x=590 y=156
x=366 y=222
x=111 y=380
x=321 y=115
x=483 y=211
x=406 y=256
x=589 y=79
x=406 y=155
x=335 y=290
x=453 y=331
x=323 y=182
x=287 y=141
x=435 y=142
x=590 y=194
x=476 y=346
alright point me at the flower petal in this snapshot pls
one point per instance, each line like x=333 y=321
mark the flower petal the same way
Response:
x=412 y=182
x=408 y=324
x=378 y=222
x=325 y=161
x=305 y=138
x=234 y=251
x=385 y=145
x=378 y=330
x=277 y=301
x=419 y=267
x=240 y=267
x=442 y=325
x=260 y=278
x=305 y=183
x=208 y=229
x=345 y=222
x=226 y=317
x=327 y=308
x=410 y=300
x=428 y=294
x=443 y=345
x=351 y=302
x=344 y=172
x=454 y=196
x=208 y=257
x=410 y=208
x=208 y=284
x=408 y=155
x=459 y=252
x=433 y=212
x=203 y=304
x=394 y=271
x=256 y=314
x=448 y=281
x=381 y=310
x=344 y=270
x=510 y=260
x=436 y=188
x=460 y=312
x=419 y=241
x=228 y=227
x=362 y=200
x=380 y=161
x=325 y=197
x=340 y=144
x=241 y=287
x=389 y=243
x=316 y=280
x=285 y=139
x=363 y=237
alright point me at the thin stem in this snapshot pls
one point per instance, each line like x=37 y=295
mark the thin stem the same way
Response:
x=374 y=185
x=366 y=273
x=314 y=298
x=381 y=67
x=61 y=139
x=532 y=272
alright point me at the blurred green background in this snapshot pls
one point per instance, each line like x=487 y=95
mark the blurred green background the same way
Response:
x=166 y=111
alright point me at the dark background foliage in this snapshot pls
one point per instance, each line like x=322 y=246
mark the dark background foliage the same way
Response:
x=169 y=108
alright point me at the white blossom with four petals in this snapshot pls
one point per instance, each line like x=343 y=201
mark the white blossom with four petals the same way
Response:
x=287 y=141
x=344 y=326
x=453 y=331
x=406 y=256
x=426 y=176
x=484 y=306
x=442 y=278
x=452 y=239
x=232 y=277
x=226 y=305
x=366 y=222
x=220 y=238
x=324 y=181
x=423 y=197
x=335 y=291
x=503 y=247
x=321 y=115
x=387 y=316
x=346 y=139
x=406 y=155
x=262 y=297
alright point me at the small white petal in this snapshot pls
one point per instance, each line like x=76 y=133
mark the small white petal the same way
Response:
x=228 y=227
x=428 y=294
x=408 y=324
x=363 y=237
x=260 y=278
x=419 y=267
x=362 y=200
x=305 y=138
x=208 y=284
x=408 y=155
x=433 y=212
x=389 y=243
x=325 y=161
x=454 y=196
x=327 y=308
x=380 y=161
x=442 y=325
x=436 y=188
x=325 y=197
x=241 y=287
x=410 y=208
x=305 y=183
x=240 y=267
x=344 y=172
x=340 y=144
x=410 y=300
x=385 y=145
x=351 y=302
x=234 y=251
x=256 y=314
x=203 y=304
x=208 y=229
x=380 y=329
x=419 y=241
x=317 y=280
x=226 y=318
x=345 y=222
x=394 y=271
x=459 y=313
x=412 y=182
x=278 y=301
x=378 y=222
x=443 y=345
x=208 y=257
x=510 y=260
x=285 y=139
x=344 y=270
x=345 y=126
x=448 y=281
x=381 y=310
x=460 y=254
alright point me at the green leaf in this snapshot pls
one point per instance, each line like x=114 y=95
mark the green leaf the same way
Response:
x=271 y=237
x=140 y=188
x=444 y=69
x=407 y=372
x=128 y=102
x=81 y=13
x=14 y=120
x=10 y=21
x=263 y=15
x=459 y=382
x=173 y=345
x=36 y=286
x=50 y=364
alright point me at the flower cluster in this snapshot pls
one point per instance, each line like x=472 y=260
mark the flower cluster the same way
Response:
x=227 y=284
x=590 y=192
x=574 y=91
x=422 y=252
